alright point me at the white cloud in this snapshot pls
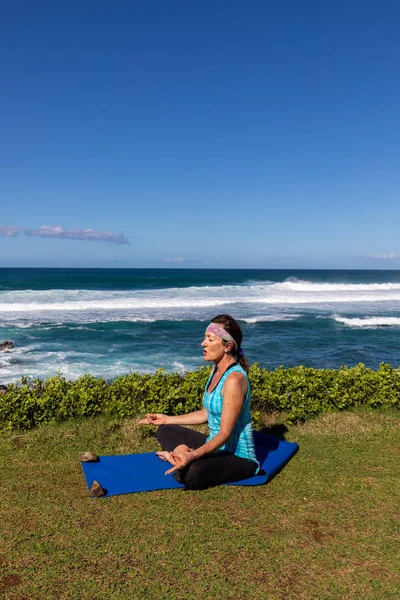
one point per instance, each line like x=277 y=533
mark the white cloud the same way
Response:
x=178 y=259
x=383 y=256
x=10 y=231
x=47 y=231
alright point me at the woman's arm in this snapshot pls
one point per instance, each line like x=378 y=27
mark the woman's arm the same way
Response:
x=194 y=418
x=234 y=393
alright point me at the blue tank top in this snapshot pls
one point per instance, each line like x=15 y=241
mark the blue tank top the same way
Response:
x=241 y=442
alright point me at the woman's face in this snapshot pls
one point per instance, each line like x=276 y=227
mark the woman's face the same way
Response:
x=213 y=348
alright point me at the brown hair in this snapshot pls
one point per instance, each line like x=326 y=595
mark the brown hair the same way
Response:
x=232 y=327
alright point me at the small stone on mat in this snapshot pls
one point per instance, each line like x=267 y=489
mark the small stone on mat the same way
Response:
x=89 y=456
x=96 y=490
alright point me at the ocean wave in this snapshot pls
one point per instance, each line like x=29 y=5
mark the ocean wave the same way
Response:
x=27 y=307
x=258 y=282
x=123 y=303
x=299 y=285
x=22 y=325
x=76 y=364
x=179 y=367
x=270 y=318
x=369 y=321
x=65 y=325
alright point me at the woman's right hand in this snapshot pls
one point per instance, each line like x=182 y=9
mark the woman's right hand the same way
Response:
x=156 y=419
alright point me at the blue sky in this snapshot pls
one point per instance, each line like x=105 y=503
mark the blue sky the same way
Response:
x=212 y=134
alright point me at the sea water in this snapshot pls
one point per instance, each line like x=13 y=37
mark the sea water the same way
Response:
x=110 y=322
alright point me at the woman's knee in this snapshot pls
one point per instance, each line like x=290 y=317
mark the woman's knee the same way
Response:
x=162 y=431
x=169 y=436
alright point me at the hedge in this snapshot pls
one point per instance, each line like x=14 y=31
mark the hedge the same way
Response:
x=300 y=392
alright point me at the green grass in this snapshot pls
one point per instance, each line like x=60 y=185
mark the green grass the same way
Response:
x=327 y=527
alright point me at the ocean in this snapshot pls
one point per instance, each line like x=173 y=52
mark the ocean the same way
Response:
x=110 y=322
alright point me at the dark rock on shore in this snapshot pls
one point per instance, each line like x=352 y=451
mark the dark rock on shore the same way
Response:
x=7 y=345
x=3 y=389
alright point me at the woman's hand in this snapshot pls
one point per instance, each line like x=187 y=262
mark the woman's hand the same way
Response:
x=156 y=419
x=181 y=460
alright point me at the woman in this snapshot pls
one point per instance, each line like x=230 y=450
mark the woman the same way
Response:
x=227 y=454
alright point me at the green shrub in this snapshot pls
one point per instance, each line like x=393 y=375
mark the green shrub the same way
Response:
x=300 y=392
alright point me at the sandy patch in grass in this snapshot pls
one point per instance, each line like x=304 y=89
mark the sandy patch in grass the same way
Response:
x=349 y=423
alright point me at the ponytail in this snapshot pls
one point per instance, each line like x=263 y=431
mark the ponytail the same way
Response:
x=242 y=360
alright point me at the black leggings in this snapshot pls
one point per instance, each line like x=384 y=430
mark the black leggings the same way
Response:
x=212 y=469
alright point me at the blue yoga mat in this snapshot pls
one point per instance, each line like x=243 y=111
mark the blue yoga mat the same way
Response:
x=129 y=473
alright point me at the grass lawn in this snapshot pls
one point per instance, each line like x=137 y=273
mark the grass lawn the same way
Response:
x=327 y=527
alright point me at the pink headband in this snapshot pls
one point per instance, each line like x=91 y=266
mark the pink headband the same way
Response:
x=222 y=333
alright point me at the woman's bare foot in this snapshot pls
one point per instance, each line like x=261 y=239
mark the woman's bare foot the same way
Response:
x=165 y=456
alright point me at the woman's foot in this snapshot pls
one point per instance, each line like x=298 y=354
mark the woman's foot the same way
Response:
x=165 y=456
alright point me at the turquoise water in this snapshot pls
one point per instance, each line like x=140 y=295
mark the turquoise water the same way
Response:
x=112 y=321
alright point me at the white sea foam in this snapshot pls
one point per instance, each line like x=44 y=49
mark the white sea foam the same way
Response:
x=267 y=318
x=369 y=321
x=258 y=282
x=27 y=308
x=298 y=285
x=179 y=367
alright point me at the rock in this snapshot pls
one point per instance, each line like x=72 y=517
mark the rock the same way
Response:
x=6 y=345
x=89 y=456
x=96 y=491
x=3 y=389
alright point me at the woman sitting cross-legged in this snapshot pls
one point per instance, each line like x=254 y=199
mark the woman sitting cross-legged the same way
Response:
x=227 y=454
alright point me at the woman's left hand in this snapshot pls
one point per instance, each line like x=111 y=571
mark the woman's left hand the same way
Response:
x=181 y=460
